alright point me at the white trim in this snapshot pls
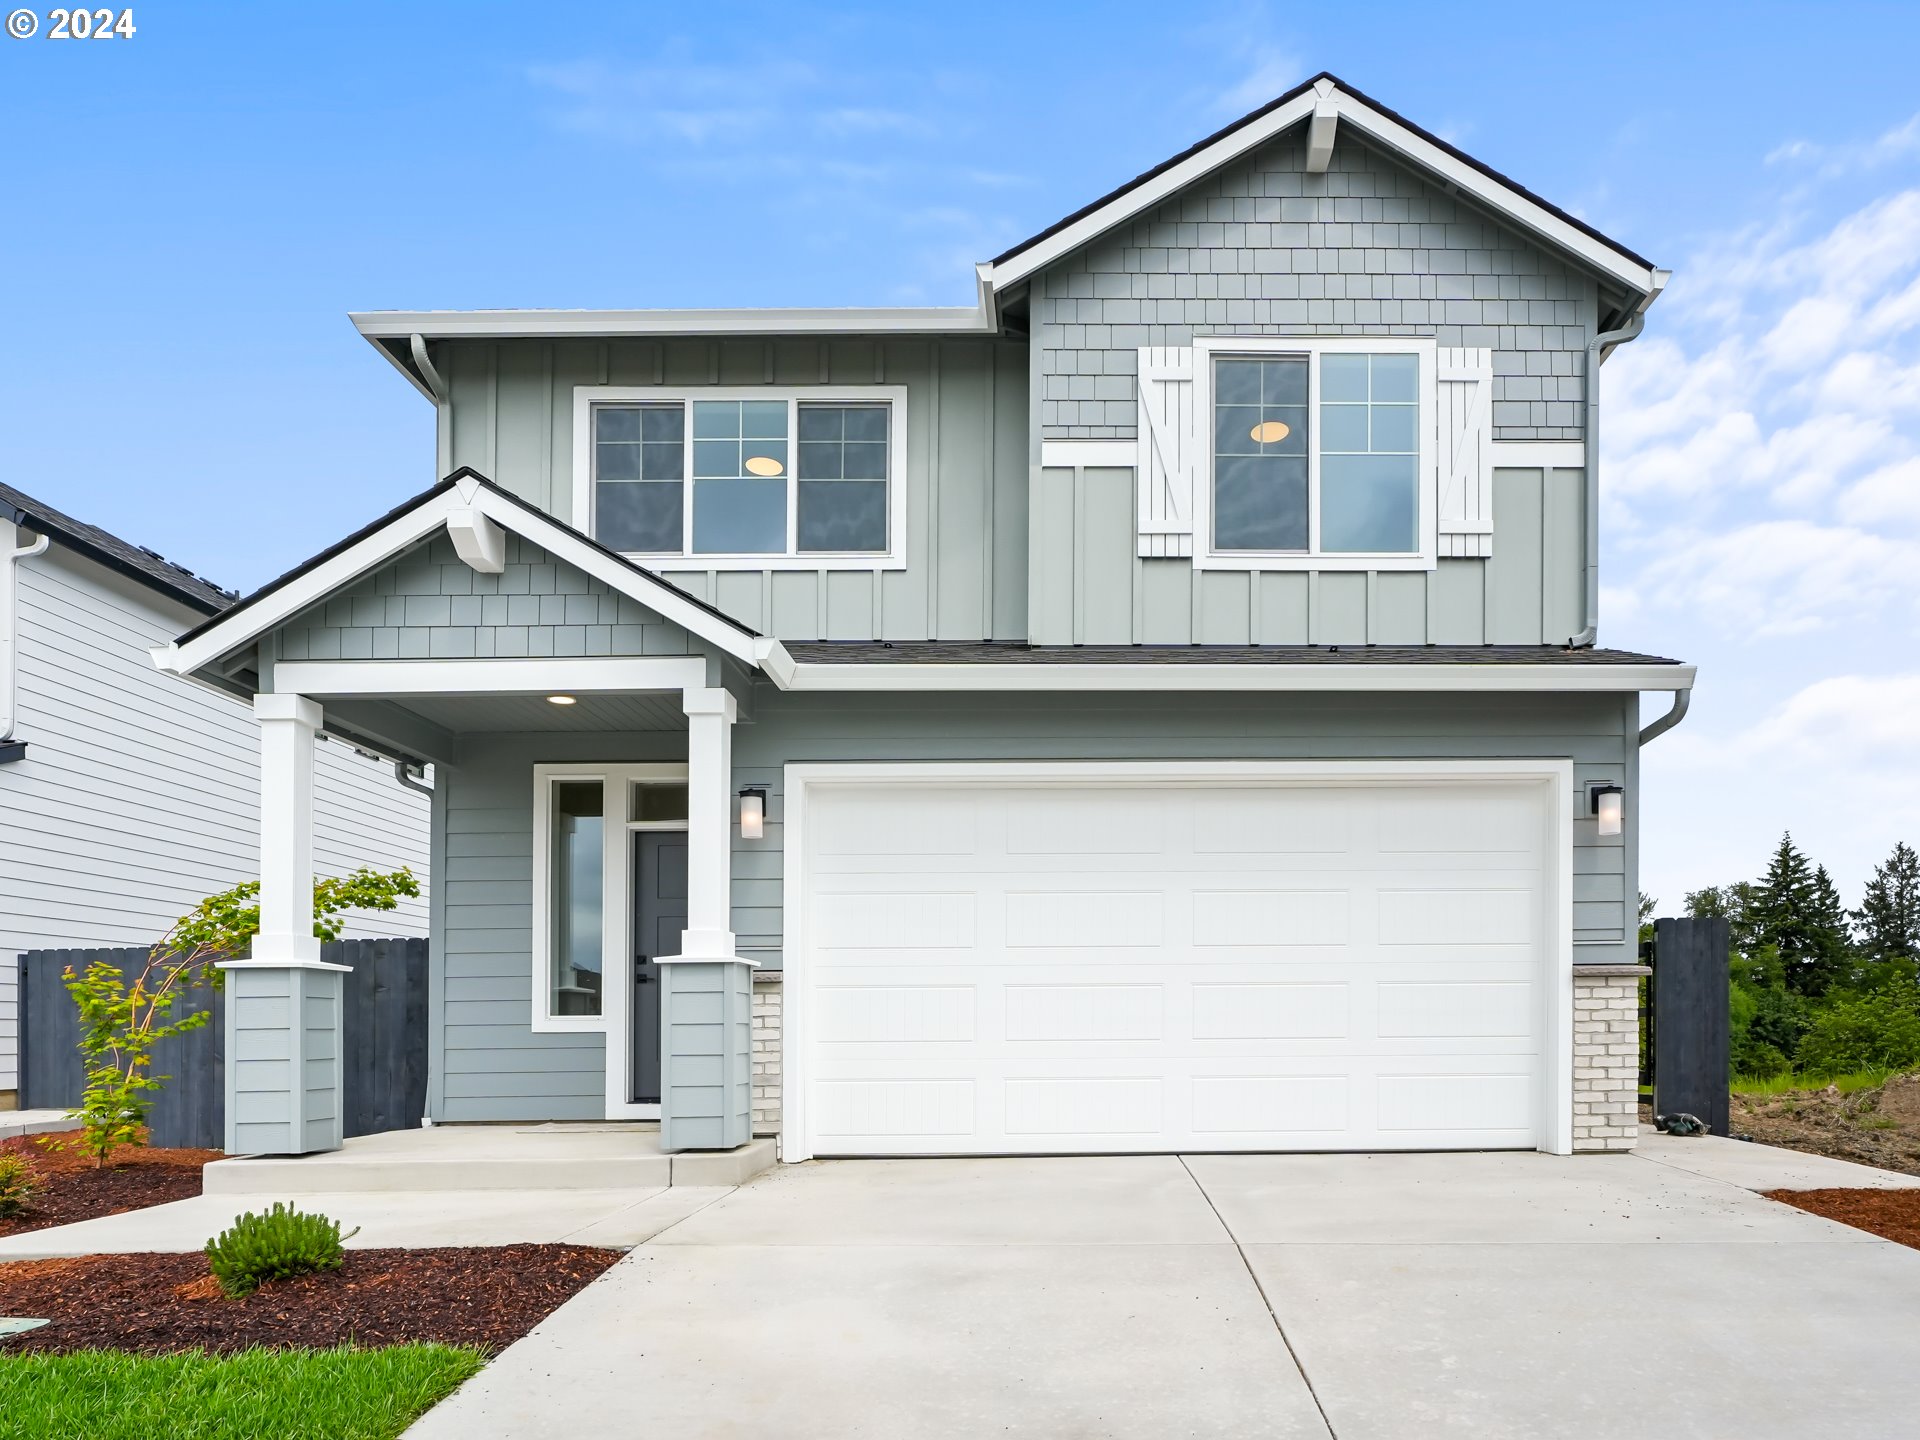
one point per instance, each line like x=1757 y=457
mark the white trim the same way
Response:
x=1556 y=1124
x=1208 y=348
x=614 y=674
x=378 y=325
x=1321 y=130
x=1523 y=679
x=1539 y=455
x=585 y=397
x=1503 y=199
x=1089 y=454
x=615 y=1020
x=406 y=530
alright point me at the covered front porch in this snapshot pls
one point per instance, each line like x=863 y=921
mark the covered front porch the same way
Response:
x=578 y=717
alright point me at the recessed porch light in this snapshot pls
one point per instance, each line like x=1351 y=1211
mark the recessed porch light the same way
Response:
x=1271 y=432
x=560 y=700
x=764 y=465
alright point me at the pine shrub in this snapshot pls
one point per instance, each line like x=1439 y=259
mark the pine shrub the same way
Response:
x=273 y=1246
x=20 y=1181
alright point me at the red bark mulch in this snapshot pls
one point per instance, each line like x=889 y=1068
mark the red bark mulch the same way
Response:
x=1890 y=1214
x=133 y=1178
x=158 y=1304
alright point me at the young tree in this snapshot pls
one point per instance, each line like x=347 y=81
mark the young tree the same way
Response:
x=1889 y=914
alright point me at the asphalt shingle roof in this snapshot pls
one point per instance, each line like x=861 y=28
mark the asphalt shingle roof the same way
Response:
x=136 y=562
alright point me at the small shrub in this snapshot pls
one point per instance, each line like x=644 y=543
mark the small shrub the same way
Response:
x=273 y=1246
x=1880 y=1031
x=20 y=1181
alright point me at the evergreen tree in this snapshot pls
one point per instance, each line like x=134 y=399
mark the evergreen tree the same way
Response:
x=1797 y=912
x=1889 y=914
x=1735 y=901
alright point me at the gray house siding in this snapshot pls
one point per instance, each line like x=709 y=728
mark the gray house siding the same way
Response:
x=965 y=482
x=430 y=604
x=1261 y=247
x=1090 y=588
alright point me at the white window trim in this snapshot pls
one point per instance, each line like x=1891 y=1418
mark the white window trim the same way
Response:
x=1555 y=1118
x=585 y=397
x=1207 y=348
x=616 y=920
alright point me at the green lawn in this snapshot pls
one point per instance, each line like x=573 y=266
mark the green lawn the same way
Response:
x=339 y=1394
x=1780 y=1084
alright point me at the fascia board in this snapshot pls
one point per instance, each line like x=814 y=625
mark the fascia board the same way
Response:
x=377 y=325
x=1299 y=678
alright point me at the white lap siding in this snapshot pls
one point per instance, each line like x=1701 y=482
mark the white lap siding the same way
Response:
x=138 y=792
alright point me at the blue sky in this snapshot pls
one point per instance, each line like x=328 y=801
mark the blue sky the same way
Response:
x=189 y=214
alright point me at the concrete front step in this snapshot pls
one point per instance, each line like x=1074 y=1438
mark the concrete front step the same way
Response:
x=489 y=1157
x=15 y=1123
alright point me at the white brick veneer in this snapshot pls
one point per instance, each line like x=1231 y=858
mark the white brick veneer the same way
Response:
x=1606 y=1057
x=766 y=1052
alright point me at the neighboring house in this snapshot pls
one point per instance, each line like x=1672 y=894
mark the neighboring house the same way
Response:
x=1154 y=708
x=126 y=795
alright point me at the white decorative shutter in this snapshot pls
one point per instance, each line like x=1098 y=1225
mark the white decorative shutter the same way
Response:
x=1466 y=452
x=1169 y=451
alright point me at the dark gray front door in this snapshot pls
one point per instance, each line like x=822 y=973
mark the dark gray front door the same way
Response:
x=659 y=915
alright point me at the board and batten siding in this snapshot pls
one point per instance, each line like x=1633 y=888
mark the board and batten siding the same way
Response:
x=1263 y=248
x=138 y=794
x=1090 y=587
x=966 y=460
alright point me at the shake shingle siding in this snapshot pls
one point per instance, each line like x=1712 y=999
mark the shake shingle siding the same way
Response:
x=1262 y=247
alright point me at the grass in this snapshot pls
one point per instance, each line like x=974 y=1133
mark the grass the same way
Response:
x=340 y=1394
x=1768 y=1085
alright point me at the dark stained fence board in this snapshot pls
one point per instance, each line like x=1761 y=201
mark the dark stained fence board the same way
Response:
x=1692 y=1019
x=384 y=1048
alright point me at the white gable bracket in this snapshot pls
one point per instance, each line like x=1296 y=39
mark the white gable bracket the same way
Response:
x=478 y=541
x=1326 y=119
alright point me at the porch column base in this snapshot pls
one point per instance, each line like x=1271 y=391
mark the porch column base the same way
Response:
x=706 y=1052
x=284 y=1076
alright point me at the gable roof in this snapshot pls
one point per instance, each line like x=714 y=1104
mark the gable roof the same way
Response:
x=1326 y=93
x=148 y=567
x=375 y=544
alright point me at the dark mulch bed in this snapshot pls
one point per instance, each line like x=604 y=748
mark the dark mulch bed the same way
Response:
x=1890 y=1214
x=133 y=1178
x=157 y=1304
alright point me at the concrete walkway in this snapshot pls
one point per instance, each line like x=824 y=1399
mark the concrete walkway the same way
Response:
x=1357 y=1297
x=15 y=1123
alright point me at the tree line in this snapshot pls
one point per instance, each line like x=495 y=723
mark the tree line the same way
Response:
x=1817 y=987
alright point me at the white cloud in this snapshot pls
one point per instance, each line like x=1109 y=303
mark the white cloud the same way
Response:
x=1830 y=160
x=1866 y=721
x=1891 y=493
x=1271 y=72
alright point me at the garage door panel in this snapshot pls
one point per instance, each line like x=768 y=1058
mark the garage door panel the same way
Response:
x=1171 y=991
x=919 y=820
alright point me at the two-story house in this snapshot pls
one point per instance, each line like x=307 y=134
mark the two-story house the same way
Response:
x=1156 y=707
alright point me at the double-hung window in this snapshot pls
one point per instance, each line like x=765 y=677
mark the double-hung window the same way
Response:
x=1319 y=455
x=745 y=478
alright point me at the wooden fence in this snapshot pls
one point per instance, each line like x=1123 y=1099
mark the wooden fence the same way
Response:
x=384 y=1047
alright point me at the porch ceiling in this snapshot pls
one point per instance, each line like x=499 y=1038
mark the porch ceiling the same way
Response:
x=520 y=713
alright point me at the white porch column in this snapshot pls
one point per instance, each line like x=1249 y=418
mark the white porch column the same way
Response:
x=283 y=1004
x=706 y=1000
x=710 y=717
x=288 y=726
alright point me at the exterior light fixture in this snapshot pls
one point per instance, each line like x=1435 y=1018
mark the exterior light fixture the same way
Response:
x=1271 y=432
x=1606 y=802
x=764 y=465
x=753 y=813
x=560 y=700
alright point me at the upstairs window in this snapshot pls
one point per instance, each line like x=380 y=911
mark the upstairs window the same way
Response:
x=748 y=477
x=1318 y=453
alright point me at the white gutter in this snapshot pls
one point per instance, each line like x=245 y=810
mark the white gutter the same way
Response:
x=1266 y=677
x=554 y=324
x=10 y=558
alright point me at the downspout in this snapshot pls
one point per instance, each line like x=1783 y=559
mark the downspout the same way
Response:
x=442 y=411
x=1594 y=356
x=1667 y=721
x=12 y=555
x=403 y=772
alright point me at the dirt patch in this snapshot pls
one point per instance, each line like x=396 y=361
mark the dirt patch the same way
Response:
x=1879 y=1127
x=133 y=1178
x=1890 y=1214
x=158 y=1304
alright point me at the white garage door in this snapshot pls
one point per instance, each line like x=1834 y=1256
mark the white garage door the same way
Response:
x=1075 y=967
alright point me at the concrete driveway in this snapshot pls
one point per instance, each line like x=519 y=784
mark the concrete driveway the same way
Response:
x=1359 y=1297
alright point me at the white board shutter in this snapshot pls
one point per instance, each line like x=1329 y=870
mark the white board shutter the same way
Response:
x=1169 y=451
x=1466 y=452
